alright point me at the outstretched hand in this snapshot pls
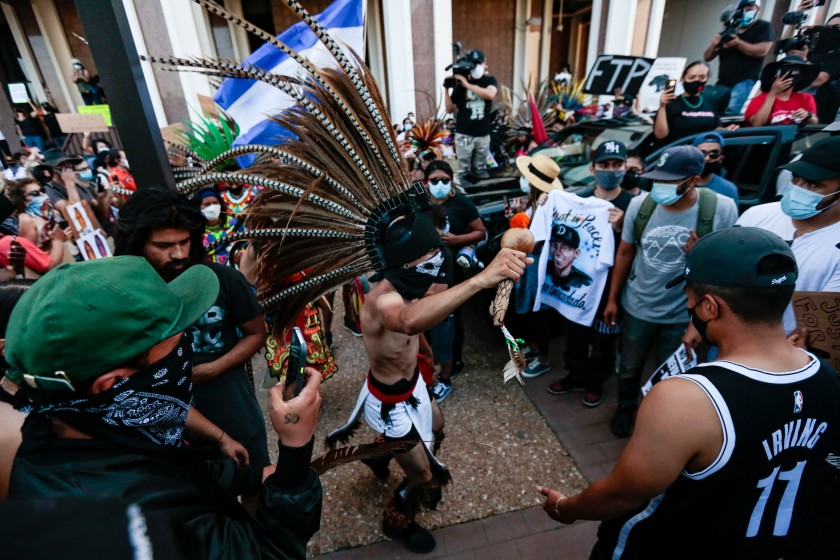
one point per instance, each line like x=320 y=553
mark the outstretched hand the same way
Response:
x=552 y=499
x=295 y=420
x=508 y=265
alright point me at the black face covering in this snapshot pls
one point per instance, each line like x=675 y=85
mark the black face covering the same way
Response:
x=149 y=406
x=700 y=325
x=693 y=88
x=413 y=282
x=712 y=167
x=631 y=180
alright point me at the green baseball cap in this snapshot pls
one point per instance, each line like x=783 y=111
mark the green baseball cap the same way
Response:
x=84 y=319
x=731 y=257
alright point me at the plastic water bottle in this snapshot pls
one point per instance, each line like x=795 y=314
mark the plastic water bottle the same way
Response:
x=466 y=256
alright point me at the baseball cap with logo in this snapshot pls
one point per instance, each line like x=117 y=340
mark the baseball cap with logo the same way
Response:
x=679 y=162
x=732 y=257
x=819 y=162
x=709 y=137
x=568 y=236
x=611 y=149
x=84 y=319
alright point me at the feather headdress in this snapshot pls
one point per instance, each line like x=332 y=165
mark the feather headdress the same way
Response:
x=330 y=191
x=426 y=136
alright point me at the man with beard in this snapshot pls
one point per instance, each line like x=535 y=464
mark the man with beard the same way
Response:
x=395 y=402
x=107 y=412
x=165 y=228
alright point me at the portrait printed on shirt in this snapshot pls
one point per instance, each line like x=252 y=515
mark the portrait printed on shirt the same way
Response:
x=570 y=262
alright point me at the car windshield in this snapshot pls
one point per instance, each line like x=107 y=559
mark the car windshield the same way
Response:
x=574 y=146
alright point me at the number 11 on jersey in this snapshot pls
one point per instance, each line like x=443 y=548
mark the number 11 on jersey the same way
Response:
x=785 y=511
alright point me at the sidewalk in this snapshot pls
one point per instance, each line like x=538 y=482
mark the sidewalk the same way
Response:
x=530 y=533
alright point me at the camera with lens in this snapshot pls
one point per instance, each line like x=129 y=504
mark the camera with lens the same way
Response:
x=463 y=64
x=731 y=19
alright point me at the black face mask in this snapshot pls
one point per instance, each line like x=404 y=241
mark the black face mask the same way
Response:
x=631 y=180
x=701 y=325
x=712 y=167
x=413 y=282
x=693 y=88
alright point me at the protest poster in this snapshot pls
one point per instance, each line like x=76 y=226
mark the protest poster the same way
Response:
x=18 y=93
x=76 y=122
x=208 y=106
x=93 y=245
x=103 y=110
x=819 y=314
x=678 y=363
x=611 y=72
x=663 y=69
x=81 y=219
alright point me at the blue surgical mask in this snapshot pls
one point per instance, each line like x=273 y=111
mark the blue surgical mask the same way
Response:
x=608 y=180
x=748 y=17
x=39 y=206
x=524 y=185
x=86 y=175
x=665 y=193
x=440 y=188
x=800 y=204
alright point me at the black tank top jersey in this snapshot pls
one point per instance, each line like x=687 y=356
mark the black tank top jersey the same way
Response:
x=774 y=489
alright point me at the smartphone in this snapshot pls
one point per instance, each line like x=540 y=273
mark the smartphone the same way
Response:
x=672 y=85
x=298 y=352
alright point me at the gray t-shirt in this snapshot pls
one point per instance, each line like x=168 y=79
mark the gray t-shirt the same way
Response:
x=661 y=257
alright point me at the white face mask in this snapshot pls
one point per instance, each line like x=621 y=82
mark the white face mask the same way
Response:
x=212 y=212
x=524 y=185
x=477 y=72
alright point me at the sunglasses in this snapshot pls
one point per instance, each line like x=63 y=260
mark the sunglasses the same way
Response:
x=440 y=181
x=712 y=153
x=35 y=193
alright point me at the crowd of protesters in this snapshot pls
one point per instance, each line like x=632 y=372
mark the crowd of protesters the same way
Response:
x=675 y=217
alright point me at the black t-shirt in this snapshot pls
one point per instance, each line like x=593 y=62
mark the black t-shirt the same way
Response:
x=29 y=127
x=473 y=116
x=460 y=211
x=735 y=66
x=685 y=120
x=218 y=330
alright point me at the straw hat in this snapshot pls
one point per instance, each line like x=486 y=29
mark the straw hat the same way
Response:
x=541 y=171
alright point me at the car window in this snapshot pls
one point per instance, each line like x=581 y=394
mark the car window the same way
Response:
x=804 y=140
x=749 y=164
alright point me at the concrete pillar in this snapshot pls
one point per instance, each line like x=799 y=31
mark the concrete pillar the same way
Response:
x=442 y=12
x=148 y=73
x=545 y=39
x=22 y=45
x=397 y=24
x=59 y=50
x=657 y=13
x=238 y=35
x=620 y=27
x=375 y=45
x=182 y=25
x=520 y=49
x=594 y=37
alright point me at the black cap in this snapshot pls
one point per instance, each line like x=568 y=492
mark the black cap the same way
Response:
x=54 y=157
x=679 y=162
x=611 y=149
x=731 y=257
x=802 y=72
x=819 y=162
x=476 y=56
x=566 y=235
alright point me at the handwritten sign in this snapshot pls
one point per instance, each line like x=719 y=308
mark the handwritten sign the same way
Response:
x=18 y=93
x=103 y=110
x=74 y=122
x=819 y=313
x=609 y=72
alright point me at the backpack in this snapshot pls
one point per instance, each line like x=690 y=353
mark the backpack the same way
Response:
x=705 y=214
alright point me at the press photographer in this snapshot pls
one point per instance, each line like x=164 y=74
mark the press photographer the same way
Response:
x=471 y=100
x=742 y=46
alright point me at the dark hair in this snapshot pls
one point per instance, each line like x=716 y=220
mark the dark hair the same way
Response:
x=438 y=165
x=154 y=208
x=42 y=173
x=17 y=155
x=692 y=65
x=111 y=158
x=755 y=305
x=212 y=190
x=14 y=192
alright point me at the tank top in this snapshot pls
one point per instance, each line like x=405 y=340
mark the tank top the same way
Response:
x=774 y=489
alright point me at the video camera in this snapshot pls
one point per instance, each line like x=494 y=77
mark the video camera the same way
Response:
x=822 y=41
x=731 y=18
x=463 y=64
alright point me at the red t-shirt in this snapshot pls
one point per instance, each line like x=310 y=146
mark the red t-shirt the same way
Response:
x=782 y=112
x=35 y=259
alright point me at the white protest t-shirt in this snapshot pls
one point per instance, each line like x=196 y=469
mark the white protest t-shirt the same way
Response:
x=817 y=253
x=572 y=281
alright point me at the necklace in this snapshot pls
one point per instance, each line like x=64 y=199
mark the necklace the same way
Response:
x=699 y=101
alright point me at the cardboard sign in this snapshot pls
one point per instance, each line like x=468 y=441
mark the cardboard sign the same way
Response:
x=18 y=93
x=103 y=110
x=81 y=219
x=173 y=133
x=73 y=122
x=208 y=106
x=93 y=245
x=609 y=72
x=819 y=313
x=677 y=364
x=663 y=69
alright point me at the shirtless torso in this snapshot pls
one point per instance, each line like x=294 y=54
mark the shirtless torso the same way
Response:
x=392 y=354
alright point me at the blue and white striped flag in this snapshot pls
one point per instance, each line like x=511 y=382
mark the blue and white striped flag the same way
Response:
x=250 y=103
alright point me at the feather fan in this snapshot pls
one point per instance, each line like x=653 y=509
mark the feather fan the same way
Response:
x=344 y=455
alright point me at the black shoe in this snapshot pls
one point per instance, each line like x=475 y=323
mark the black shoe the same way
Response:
x=414 y=537
x=622 y=422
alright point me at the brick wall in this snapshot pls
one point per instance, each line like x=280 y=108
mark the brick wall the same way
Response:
x=487 y=25
x=422 y=44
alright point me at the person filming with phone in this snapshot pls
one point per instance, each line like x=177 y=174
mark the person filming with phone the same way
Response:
x=782 y=101
x=688 y=113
